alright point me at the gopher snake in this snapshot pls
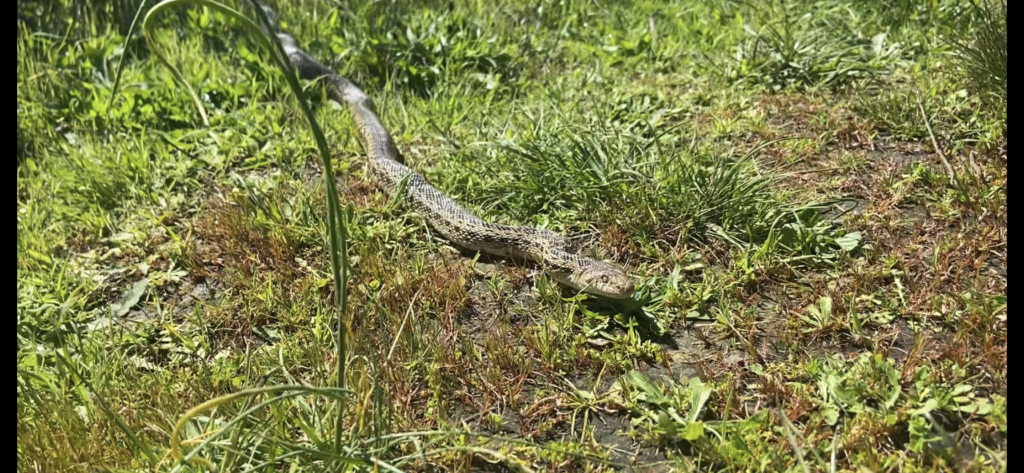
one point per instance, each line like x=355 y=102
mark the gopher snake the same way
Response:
x=462 y=228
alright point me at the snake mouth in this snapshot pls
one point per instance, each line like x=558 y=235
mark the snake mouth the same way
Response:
x=615 y=285
x=620 y=295
x=624 y=293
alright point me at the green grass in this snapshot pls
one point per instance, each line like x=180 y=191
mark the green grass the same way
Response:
x=984 y=54
x=814 y=292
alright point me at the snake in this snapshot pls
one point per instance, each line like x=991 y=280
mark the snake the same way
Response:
x=543 y=247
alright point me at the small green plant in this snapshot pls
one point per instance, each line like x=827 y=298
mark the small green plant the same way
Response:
x=819 y=316
x=675 y=414
x=808 y=235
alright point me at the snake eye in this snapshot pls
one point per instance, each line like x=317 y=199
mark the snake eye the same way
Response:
x=604 y=279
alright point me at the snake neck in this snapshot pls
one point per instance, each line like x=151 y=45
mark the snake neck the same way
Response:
x=379 y=142
x=341 y=90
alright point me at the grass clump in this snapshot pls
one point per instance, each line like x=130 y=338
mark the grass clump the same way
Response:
x=983 y=55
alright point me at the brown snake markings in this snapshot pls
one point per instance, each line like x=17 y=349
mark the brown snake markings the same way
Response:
x=462 y=228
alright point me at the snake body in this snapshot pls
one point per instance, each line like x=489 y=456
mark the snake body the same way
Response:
x=459 y=226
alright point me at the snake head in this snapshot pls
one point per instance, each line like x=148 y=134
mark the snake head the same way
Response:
x=602 y=279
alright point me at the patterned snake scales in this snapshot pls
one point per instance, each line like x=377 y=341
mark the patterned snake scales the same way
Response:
x=462 y=228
